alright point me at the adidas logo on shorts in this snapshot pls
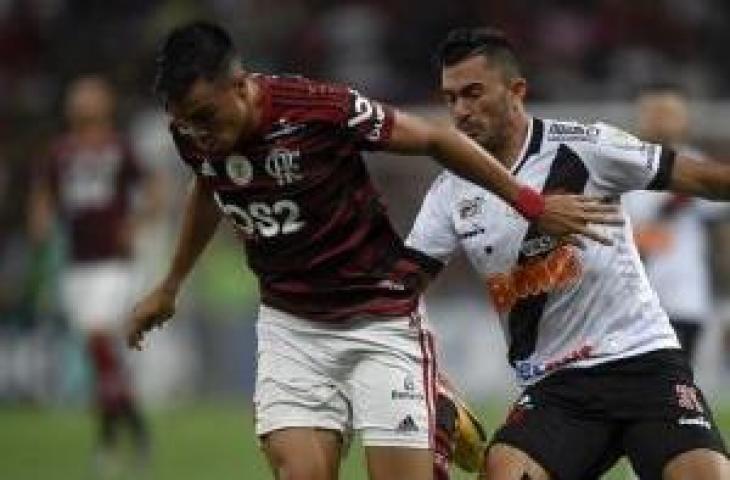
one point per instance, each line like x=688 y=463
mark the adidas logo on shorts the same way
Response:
x=407 y=425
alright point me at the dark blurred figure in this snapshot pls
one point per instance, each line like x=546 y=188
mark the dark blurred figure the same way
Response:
x=671 y=229
x=86 y=183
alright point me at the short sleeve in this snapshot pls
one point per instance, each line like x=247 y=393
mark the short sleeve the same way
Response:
x=369 y=122
x=620 y=162
x=433 y=231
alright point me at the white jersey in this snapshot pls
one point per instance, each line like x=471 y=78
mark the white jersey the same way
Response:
x=681 y=252
x=559 y=306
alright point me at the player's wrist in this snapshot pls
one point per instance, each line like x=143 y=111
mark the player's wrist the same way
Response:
x=170 y=286
x=529 y=203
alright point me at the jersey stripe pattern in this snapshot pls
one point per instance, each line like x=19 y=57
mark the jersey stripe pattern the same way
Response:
x=315 y=229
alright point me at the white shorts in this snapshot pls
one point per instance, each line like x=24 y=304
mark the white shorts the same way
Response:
x=375 y=376
x=96 y=296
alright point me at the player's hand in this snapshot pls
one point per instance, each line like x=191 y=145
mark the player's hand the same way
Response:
x=150 y=312
x=566 y=216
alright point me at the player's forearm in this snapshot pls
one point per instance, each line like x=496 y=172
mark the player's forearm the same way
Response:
x=199 y=224
x=40 y=214
x=706 y=179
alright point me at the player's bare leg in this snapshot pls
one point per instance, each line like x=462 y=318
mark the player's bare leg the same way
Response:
x=508 y=463
x=303 y=453
x=115 y=400
x=699 y=464
x=398 y=463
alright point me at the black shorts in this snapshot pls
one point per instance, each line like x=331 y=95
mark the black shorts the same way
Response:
x=577 y=423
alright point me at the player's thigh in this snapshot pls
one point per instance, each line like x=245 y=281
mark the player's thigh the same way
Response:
x=688 y=447
x=399 y=463
x=686 y=425
x=699 y=464
x=303 y=453
x=505 y=462
x=549 y=441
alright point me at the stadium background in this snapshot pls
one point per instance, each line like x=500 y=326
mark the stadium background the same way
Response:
x=585 y=59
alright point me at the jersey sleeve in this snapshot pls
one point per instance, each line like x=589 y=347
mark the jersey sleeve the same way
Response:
x=433 y=231
x=621 y=162
x=366 y=123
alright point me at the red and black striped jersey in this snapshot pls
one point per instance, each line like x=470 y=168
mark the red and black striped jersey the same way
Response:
x=315 y=229
x=91 y=186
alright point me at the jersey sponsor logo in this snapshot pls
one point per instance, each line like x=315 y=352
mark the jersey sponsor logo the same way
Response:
x=687 y=398
x=476 y=230
x=571 y=131
x=284 y=129
x=392 y=285
x=527 y=370
x=561 y=268
x=366 y=112
x=281 y=217
x=206 y=170
x=408 y=392
x=538 y=246
x=470 y=207
x=238 y=168
x=283 y=165
x=697 y=422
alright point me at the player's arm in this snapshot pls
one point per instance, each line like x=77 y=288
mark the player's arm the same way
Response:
x=40 y=211
x=706 y=179
x=201 y=220
x=558 y=215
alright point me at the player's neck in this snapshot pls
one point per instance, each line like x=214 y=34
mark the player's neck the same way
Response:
x=515 y=140
x=93 y=135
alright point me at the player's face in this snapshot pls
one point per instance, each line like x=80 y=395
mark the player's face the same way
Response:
x=663 y=117
x=481 y=100
x=214 y=114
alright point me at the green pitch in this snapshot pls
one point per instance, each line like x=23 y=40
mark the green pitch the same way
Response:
x=214 y=441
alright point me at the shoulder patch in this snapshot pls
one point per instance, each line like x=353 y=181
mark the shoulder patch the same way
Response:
x=572 y=131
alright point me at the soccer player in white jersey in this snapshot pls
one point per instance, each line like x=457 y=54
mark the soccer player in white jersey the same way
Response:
x=601 y=366
x=671 y=230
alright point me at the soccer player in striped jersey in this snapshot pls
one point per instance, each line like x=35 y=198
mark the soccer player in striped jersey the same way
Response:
x=601 y=367
x=341 y=346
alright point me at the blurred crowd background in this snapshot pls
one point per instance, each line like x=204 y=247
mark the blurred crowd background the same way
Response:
x=585 y=59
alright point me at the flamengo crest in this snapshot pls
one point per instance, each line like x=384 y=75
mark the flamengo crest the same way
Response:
x=283 y=165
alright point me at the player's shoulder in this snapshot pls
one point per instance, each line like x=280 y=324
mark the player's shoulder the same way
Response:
x=300 y=99
x=295 y=87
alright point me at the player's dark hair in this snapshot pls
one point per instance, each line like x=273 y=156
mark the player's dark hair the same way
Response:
x=463 y=43
x=662 y=87
x=192 y=51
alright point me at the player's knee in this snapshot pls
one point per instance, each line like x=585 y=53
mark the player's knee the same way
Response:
x=504 y=462
x=299 y=469
x=699 y=464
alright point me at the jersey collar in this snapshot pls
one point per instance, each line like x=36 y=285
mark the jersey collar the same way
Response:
x=532 y=144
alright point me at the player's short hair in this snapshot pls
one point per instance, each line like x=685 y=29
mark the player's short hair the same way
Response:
x=662 y=87
x=190 y=52
x=463 y=43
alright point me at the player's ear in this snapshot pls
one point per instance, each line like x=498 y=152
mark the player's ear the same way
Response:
x=518 y=87
x=238 y=80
